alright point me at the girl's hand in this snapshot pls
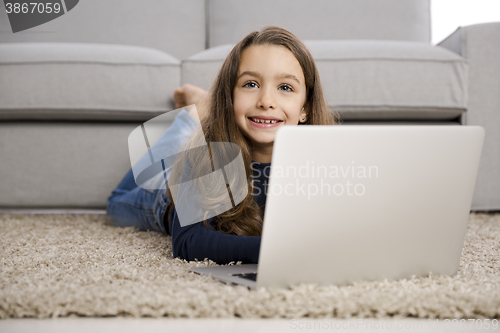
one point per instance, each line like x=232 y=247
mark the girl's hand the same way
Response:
x=190 y=94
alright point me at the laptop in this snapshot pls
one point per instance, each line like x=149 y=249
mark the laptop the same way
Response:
x=363 y=203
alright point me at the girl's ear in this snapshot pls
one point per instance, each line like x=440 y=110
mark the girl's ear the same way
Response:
x=303 y=113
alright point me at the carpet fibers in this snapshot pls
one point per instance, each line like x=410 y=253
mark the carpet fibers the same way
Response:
x=80 y=265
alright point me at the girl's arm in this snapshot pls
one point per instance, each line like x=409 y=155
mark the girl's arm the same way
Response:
x=195 y=241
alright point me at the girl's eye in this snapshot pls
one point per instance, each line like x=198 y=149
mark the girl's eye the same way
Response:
x=287 y=86
x=247 y=83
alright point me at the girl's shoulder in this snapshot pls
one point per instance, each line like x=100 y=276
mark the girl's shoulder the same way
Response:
x=258 y=165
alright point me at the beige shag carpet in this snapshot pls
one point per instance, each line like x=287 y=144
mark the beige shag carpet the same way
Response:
x=81 y=265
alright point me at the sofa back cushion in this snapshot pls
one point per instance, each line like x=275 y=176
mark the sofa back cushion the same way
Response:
x=409 y=20
x=176 y=27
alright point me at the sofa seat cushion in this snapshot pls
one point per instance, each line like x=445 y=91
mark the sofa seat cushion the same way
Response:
x=370 y=79
x=71 y=81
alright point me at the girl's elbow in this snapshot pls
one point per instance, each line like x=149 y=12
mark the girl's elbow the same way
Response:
x=180 y=249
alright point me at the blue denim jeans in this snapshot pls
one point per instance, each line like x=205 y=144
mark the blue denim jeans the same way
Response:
x=131 y=205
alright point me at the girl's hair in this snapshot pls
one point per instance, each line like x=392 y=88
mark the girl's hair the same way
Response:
x=219 y=125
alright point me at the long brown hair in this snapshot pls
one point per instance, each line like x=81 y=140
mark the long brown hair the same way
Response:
x=219 y=125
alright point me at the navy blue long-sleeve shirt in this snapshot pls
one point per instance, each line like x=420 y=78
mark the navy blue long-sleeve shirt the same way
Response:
x=195 y=241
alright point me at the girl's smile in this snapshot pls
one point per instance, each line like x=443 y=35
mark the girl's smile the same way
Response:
x=265 y=122
x=270 y=92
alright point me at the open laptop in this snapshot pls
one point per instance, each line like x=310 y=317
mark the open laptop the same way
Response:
x=362 y=203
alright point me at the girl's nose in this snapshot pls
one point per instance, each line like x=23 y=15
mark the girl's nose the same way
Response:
x=266 y=100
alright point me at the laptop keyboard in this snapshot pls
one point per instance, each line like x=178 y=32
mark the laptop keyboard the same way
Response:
x=249 y=276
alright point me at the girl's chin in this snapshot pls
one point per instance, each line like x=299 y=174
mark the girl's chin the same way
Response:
x=260 y=137
x=262 y=141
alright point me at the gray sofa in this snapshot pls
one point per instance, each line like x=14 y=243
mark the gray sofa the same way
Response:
x=73 y=89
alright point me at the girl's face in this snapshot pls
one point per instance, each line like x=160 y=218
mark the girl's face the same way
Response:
x=270 y=86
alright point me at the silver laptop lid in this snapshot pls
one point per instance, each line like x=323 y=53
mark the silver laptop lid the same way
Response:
x=351 y=203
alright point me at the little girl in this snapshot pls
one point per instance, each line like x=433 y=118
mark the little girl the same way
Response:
x=268 y=80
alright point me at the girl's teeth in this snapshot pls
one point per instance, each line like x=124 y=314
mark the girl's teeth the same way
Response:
x=264 y=121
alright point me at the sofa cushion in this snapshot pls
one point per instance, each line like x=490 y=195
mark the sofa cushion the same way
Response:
x=176 y=27
x=369 y=79
x=85 y=81
x=229 y=21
